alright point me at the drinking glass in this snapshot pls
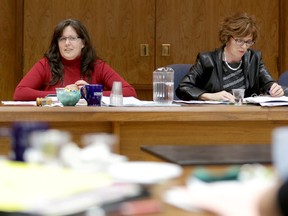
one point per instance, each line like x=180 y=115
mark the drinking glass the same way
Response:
x=116 y=96
x=239 y=96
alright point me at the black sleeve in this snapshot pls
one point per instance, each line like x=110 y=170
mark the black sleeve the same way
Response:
x=283 y=199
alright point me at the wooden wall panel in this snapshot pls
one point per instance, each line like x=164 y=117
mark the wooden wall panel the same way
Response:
x=40 y=18
x=11 y=47
x=192 y=26
x=283 y=37
x=117 y=28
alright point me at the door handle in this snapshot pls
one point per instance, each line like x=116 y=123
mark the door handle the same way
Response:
x=144 y=50
x=166 y=49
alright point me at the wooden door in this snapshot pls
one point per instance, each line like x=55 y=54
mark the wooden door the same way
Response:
x=191 y=26
x=117 y=28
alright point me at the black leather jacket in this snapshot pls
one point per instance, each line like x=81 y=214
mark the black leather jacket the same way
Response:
x=206 y=75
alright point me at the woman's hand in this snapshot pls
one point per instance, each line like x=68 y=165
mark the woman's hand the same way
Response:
x=72 y=87
x=276 y=90
x=218 y=96
x=81 y=83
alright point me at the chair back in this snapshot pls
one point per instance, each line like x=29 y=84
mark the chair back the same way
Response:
x=283 y=79
x=180 y=70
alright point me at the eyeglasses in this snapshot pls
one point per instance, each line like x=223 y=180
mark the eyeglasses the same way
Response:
x=69 y=38
x=241 y=42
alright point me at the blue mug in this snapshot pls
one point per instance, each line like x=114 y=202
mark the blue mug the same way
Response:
x=20 y=133
x=92 y=93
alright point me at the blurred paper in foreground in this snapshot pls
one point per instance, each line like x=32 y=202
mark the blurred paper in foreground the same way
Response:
x=25 y=187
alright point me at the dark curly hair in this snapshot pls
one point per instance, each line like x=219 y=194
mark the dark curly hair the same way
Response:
x=53 y=54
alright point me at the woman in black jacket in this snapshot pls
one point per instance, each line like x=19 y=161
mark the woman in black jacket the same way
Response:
x=234 y=65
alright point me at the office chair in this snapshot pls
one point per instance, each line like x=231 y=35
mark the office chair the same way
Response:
x=283 y=79
x=180 y=70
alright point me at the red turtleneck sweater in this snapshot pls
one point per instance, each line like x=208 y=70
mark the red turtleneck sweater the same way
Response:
x=35 y=83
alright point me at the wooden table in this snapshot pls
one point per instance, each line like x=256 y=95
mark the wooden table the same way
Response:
x=136 y=126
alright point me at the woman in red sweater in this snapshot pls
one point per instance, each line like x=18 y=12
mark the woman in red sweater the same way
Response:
x=70 y=61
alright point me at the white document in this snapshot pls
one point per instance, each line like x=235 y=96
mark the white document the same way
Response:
x=126 y=101
x=202 y=102
x=268 y=100
x=264 y=99
x=24 y=103
x=132 y=101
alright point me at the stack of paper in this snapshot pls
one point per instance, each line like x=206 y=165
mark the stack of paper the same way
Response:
x=51 y=190
x=132 y=101
x=268 y=100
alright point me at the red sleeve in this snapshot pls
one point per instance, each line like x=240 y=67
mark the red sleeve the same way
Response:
x=34 y=83
x=105 y=75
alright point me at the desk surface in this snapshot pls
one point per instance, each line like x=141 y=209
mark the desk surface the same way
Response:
x=136 y=126
x=132 y=114
x=212 y=154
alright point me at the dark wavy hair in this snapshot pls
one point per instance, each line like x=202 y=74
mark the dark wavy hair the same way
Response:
x=238 y=25
x=53 y=54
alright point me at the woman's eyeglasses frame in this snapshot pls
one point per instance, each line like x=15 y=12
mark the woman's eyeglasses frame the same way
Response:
x=241 y=42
